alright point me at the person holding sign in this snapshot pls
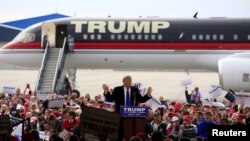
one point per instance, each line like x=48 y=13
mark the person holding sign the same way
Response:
x=126 y=95
x=194 y=97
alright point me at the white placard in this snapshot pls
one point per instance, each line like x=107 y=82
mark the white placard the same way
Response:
x=215 y=91
x=153 y=104
x=18 y=130
x=64 y=135
x=218 y=105
x=44 y=135
x=19 y=106
x=56 y=102
x=9 y=90
x=43 y=95
x=186 y=82
x=242 y=98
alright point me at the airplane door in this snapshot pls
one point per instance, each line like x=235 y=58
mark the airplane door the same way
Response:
x=49 y=33
x=61 y=33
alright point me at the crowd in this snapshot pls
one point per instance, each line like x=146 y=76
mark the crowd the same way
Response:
x=173 y=122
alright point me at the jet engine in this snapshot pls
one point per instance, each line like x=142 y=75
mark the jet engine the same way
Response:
x=234 y=72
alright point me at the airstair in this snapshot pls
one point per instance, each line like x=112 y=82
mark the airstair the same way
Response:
x=51 y=68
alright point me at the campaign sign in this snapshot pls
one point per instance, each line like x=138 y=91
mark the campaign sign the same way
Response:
x=9 y=90
x=55 y=102
x=133 y=111
x=43 y=95
x=230 y=96
x=215 y=91
x=186 y=82
x=242 y=98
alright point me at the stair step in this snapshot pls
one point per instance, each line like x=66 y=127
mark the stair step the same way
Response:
x=46 y=85
x=50 y=73
x=48 y=80
x=50 y=67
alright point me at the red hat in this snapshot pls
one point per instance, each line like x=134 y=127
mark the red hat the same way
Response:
x=171 y=114
x=240 y=116
x=186 y=117
x=56 y=113
x=177 y=106
x=26 y=104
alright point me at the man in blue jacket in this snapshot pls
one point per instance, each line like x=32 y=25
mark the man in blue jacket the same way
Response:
x=204 y=125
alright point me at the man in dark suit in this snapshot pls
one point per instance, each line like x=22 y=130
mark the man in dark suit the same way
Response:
x=126 y=95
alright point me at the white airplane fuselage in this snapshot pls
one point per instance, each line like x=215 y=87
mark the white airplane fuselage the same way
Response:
x=185 y=44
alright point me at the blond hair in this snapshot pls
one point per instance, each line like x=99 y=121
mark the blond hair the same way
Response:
x=127 y=77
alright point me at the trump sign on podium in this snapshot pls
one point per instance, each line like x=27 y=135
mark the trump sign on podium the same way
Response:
x=133 y=111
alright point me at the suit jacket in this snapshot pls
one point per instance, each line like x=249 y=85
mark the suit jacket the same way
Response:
x=118 y=97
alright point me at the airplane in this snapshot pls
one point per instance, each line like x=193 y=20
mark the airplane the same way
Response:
x=213 y=44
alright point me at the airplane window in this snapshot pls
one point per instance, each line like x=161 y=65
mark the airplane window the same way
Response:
x=112 y=37
x=207 y=37
x=221 y=37
x=119 y=37
x=153 y=37
x=235 y=37
x=159 y=37
x=25 y=37
x=214 y=37
x=132 y=37
x=248 y=37
x=139 y=37
x=99 y=36
x=85 y=36
x=193 y=37
x=146 y=37
x=92 y=37
x=126 y=37
x=200 y=37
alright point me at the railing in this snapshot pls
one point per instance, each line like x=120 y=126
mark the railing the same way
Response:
x=59 y=61
x=42 y=66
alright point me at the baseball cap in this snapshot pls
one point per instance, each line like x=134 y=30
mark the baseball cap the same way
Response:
x=186 y=117
x=26 y=104
x=175 y=118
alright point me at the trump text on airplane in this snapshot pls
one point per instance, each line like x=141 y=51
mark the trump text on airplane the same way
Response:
x=120 y=26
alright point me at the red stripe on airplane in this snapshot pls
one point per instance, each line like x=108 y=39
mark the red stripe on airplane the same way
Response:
x=164 y=46
x=22 y=45
x=141 y=45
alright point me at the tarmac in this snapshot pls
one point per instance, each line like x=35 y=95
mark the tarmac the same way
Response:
x=164 y=83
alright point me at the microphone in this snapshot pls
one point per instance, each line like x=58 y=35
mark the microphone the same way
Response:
x=134 y=94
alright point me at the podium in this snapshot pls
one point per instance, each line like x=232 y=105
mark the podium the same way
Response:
x=134 y=121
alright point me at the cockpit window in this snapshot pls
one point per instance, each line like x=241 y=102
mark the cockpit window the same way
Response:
x=25 y=37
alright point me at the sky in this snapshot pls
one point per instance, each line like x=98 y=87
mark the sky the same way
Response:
x=19 y=9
